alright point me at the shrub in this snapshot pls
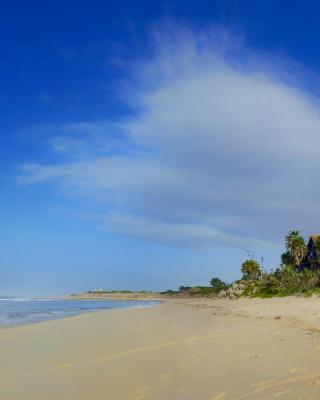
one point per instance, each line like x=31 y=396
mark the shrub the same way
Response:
x=284 y=281
x=201 y=291
x=287 y=258
x=169 y=292
x=184 y=288
x=217 y=284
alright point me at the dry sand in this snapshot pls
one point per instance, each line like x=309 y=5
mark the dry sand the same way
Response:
x=187 y=349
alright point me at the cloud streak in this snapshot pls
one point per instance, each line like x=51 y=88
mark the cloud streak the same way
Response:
x=222 y=148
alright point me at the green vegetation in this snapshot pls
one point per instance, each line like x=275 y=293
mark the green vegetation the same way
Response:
x=202 y=291
x=296 y=248
x=295 y=275
x=199 y=291
x=170 y=292
x=284 y=281
x=217 y=285
x=290 y=278
x=298 y=273
x=287 y=259
x=251 y=270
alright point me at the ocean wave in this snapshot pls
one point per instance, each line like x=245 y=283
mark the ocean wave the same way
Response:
x=17 y=311
x=17 y=299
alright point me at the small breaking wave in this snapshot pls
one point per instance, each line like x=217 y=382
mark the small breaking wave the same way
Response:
x=17 y=311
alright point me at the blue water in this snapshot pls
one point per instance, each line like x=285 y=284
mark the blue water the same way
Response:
x=25 y=311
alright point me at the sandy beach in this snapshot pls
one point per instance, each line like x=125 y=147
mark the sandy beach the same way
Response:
x=182 y=349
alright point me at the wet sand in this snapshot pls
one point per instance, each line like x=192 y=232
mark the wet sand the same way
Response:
x=186 y=349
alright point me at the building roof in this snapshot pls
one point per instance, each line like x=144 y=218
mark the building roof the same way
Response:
x=314 y=242
x=315 y=237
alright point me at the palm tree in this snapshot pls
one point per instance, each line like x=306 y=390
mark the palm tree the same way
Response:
x=251 y=269
x=296 y=246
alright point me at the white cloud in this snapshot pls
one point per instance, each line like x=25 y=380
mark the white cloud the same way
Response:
x=223 y=149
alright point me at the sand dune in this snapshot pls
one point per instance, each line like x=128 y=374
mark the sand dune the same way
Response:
x=186 y=349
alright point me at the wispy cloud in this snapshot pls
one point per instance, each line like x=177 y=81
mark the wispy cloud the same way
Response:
x=222 y=148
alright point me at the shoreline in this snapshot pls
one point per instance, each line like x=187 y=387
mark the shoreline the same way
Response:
x=204 y=349
x=44 y=321
x=70 y=314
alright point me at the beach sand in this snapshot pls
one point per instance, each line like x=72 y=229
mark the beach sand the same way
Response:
x=182 y=349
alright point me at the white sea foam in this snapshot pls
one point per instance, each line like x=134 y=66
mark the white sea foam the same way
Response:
x=16 y=311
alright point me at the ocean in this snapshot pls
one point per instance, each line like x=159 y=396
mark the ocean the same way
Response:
x=20 y=311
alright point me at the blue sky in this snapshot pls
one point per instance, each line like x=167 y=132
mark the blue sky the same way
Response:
x=146 y=146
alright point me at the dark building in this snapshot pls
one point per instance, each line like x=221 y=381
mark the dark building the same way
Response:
x=312 y=259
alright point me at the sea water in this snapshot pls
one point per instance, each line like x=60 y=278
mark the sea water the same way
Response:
x=20 y=311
